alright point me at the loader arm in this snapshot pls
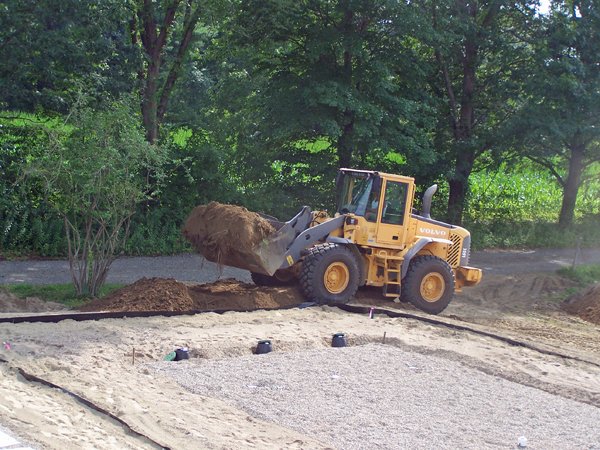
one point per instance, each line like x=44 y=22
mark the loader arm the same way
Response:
x=309 y=237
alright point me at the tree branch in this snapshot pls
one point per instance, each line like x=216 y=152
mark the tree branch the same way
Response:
x=133 y=33
x=188 y=32
x=449 y=89
x=146 y=18
x=491 y=14
x=165 y=26
x=548 y=165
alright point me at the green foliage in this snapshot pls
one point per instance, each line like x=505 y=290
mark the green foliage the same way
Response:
x=96 y=170
x=27 y=223
x=260 y=109
x=51 y=50
x=157 y=232
x=310 y=72
x=517 y=206
x=59 y=293
x=533 y=234
x=501 y=196
x=94 y=177
x=559 y=125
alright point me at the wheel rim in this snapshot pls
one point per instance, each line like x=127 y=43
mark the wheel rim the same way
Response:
x=336 y=277
x=432 y=287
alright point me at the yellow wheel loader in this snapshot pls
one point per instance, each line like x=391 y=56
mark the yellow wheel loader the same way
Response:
x=374 y=239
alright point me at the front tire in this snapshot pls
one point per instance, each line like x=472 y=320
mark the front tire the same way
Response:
x=428 y=284
x=330 y=273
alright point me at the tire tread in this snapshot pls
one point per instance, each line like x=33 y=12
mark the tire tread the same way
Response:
x=308 y=275
x=410 y=291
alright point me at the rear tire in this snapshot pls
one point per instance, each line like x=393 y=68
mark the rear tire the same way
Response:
x=279 y=278
x=330 y=273
x=428 y=284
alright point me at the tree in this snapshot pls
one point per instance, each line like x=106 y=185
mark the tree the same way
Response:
x=50 y=51
x=317 y=85
x=153 y=27
x=560 y=124
x=92 y=171
x=480 y=49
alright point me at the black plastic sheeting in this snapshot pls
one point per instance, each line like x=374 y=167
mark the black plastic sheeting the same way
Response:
x=35 y=379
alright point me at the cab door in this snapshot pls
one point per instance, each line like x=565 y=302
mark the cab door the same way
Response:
x=393 y=216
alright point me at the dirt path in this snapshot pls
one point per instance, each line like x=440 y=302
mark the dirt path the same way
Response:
x=188 y=267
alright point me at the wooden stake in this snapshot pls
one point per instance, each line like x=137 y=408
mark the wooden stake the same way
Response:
x=383 y=340
x=133 y=357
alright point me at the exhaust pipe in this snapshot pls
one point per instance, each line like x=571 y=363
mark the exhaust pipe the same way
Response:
x=427 y=201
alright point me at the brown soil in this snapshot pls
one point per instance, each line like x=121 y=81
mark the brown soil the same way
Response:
x=159 y=294
x=12 y=303
x=585 y=304
x=225 y=233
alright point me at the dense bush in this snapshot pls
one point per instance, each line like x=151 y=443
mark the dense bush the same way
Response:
x=520 y=208
x=27 y=223
x=516 y=207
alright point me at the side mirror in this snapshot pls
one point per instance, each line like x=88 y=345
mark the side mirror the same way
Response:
x=427 y=200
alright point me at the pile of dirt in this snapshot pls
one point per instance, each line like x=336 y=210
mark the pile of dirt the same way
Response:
x=160 y=294
x=225 y=234
x=11 y=303
x=147 y=294
x=585 y=304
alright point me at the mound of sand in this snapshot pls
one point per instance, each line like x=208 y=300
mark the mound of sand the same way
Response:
x=160 y=294
x=585 y=304
x=224 y=234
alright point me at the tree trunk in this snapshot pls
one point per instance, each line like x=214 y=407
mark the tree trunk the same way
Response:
x=154 y=34
x=150 y=100
x=463 y=133
x=571 y=187
x=345 y=146
x=459 y=186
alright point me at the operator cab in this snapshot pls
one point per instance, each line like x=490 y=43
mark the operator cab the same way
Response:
x=376 y=196
x=357 y=191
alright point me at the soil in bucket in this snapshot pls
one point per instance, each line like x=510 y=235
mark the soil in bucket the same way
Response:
x=226 y=234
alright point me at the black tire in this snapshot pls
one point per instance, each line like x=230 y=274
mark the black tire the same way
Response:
x=279 y=278
x=428 y=284
x=330 y=273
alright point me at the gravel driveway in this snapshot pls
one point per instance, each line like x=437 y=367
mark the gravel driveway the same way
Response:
x=126 y=270
x=190 y=267
x=410 y=400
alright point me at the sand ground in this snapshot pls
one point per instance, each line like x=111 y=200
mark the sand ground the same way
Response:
x=112 y=363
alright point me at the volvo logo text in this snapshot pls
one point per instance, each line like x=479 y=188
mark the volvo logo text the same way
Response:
x=433 y=231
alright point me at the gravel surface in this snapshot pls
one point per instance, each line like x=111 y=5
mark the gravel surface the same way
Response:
x=191 y=267
x=126 y=270
x=383 y=397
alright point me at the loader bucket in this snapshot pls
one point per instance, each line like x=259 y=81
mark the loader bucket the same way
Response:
x=266 y=256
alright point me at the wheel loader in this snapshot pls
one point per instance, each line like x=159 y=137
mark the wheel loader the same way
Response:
x=376 y=238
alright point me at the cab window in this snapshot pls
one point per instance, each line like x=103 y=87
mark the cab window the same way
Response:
x=394 y=203
x=373 y=203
